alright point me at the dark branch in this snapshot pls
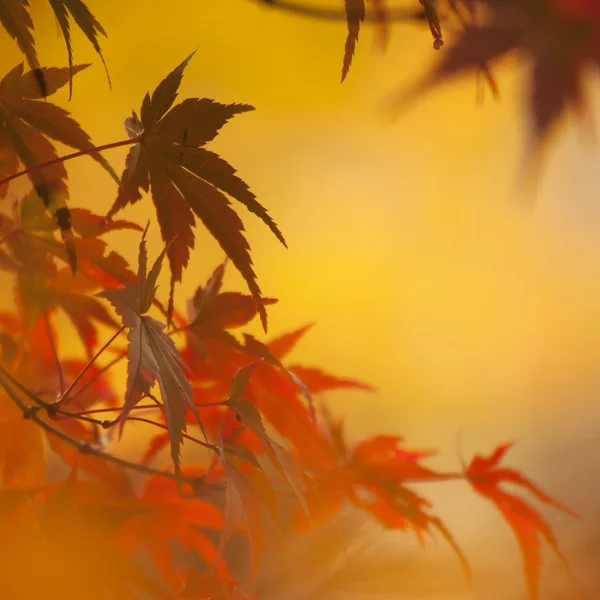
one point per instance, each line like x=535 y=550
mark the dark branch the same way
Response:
x=394 y=15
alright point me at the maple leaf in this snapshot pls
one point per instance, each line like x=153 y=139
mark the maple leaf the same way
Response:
x=73 y=519
x=41 y=286
x=26 y=127
x=151 y=353
x=318 y=380
x=485 y=475
x=214 y=356
x=188 y=181
x=65 y=10
x=558 y=38
x=373 y=475
x=174 y=518
x=212 y=311
x=253 y=346
x=16 y=20
x=245 y=501
x=249 y=414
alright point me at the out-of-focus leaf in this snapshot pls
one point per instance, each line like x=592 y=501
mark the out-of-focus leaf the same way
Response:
x=557 y=38
x=250 y=415
x=485 y=475
x=26 y=127
x=80 y=533
x=171 y=518
x=42 y=287
x=243 y=506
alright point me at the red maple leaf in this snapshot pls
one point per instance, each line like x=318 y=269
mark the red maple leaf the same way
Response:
x=486 y=477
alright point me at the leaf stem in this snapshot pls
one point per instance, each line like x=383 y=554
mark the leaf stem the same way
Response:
x=62 y=159
x=65 y=395
x=61 y=377
x=96 y=411
x=185 y=435
x=98 y=374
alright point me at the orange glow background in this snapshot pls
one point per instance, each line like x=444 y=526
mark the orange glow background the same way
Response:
x=470 y=310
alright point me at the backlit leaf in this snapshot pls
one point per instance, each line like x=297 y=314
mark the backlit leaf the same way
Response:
x=151 y=354
x=486 y=476
x=186 y=180
x=26 y=127
x=65 y=10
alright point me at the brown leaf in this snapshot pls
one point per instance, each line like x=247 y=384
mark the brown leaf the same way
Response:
x=65 y=10
x=152 y=355
x=243 y=506
x=249 y=414
x=16 y=20
x=187 y=181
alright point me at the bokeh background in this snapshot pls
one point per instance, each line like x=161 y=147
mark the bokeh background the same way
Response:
x=475 y=314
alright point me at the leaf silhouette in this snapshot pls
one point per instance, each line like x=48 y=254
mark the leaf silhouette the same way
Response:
x=249 y=414
x=65 y=10
x=151 y=353
x=188 y=181
x=355 y=15
x=26 y=127
x=485 y=475
x=16 y=20
x=212 y=310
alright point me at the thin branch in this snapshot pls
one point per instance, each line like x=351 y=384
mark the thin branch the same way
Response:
x=53 y=410
x=394 y=15
x=62 y=159
x=32 y=413
x=61 y=377
x=96 y=411
x=98 y=374
x=65 y=395
x=185 y=435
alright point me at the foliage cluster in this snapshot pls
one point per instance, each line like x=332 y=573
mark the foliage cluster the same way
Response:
x=273 y=454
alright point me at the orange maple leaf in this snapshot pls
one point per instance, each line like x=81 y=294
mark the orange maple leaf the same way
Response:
x=485 y=475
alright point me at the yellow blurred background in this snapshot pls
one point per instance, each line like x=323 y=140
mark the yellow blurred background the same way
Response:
x=470 y=311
